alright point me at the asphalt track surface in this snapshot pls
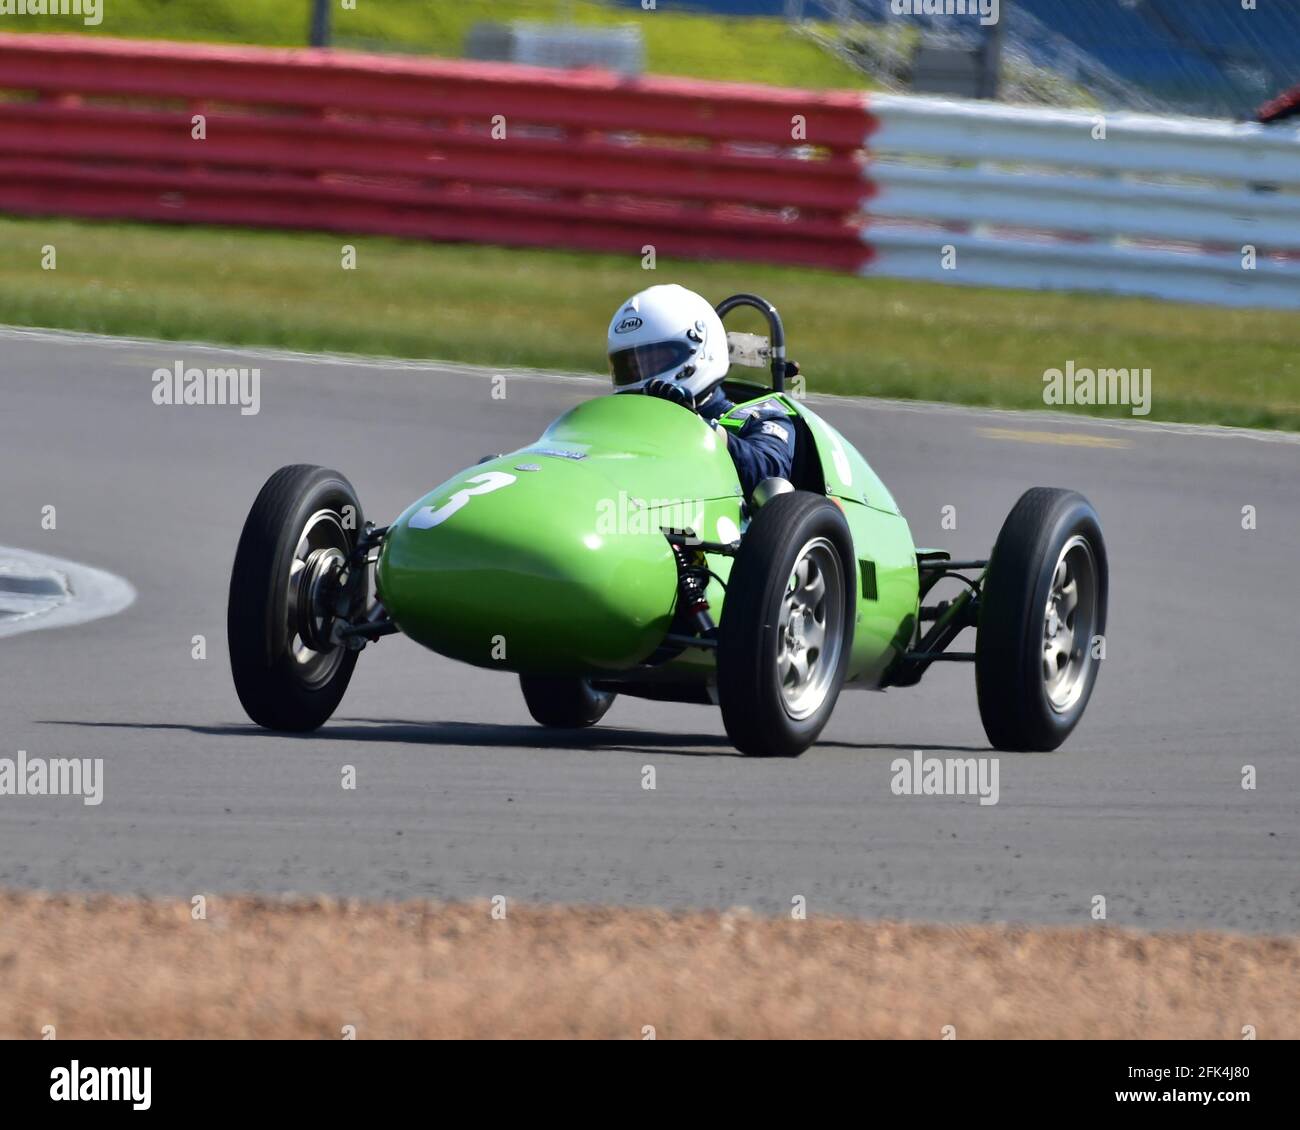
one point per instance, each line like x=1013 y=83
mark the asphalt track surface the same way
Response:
x=460 y=796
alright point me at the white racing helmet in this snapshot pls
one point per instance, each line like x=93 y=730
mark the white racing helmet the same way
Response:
x=671 y=333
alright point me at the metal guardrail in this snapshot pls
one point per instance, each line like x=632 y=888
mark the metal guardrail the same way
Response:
x=991 y=195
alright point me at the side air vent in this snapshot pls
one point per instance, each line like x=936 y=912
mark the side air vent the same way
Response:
x=868 y=569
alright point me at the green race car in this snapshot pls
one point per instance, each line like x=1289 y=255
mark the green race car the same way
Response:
x=617 y=554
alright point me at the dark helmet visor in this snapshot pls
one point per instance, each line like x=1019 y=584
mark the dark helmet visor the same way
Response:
x=630 y=366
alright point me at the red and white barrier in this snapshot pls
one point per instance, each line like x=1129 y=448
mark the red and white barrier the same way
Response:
x=429 y=148
x=921 y=188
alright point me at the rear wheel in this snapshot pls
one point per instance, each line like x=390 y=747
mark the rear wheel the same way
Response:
x=285 y=595
x=787 y=626
x=1043 y=607
x=565 y=703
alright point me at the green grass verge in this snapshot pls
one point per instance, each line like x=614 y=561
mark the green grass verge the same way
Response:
x=550 y=309
x=677 y=43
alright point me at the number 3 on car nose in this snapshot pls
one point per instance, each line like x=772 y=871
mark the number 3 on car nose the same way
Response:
x=486 y=483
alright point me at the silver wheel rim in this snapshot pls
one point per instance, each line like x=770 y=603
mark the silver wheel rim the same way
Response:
x=810 y=629
x=1069 y=621
x=322 y=542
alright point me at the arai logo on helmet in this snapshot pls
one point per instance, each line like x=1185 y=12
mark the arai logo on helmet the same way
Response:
x=627 y=325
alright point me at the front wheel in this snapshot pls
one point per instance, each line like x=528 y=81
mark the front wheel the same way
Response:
x=564 y=703
x=787 y=626
x=286 y=589
x=1042 y=617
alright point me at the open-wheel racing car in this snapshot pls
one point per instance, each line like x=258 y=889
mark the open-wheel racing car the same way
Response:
x=618 y=555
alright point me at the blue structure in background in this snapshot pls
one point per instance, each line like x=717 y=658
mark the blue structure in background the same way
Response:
x=1199 y=56
x=1211 y=56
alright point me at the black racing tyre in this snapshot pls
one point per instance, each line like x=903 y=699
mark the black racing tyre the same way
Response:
x=787 y=625
x=287 y=675
x=564 y=703
x=1042 y=608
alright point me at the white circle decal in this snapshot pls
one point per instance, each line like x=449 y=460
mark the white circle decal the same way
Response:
x=727 y=530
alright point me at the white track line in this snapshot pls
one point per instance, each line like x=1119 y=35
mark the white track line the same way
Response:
x=92 y=593
x=869 y=403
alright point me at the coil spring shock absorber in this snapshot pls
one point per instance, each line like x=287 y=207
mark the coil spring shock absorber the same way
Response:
x=692 y=588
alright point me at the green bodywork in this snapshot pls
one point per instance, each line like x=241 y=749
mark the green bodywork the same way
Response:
x=552 y=560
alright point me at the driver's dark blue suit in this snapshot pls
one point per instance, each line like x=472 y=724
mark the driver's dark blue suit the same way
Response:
x=764 y=445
